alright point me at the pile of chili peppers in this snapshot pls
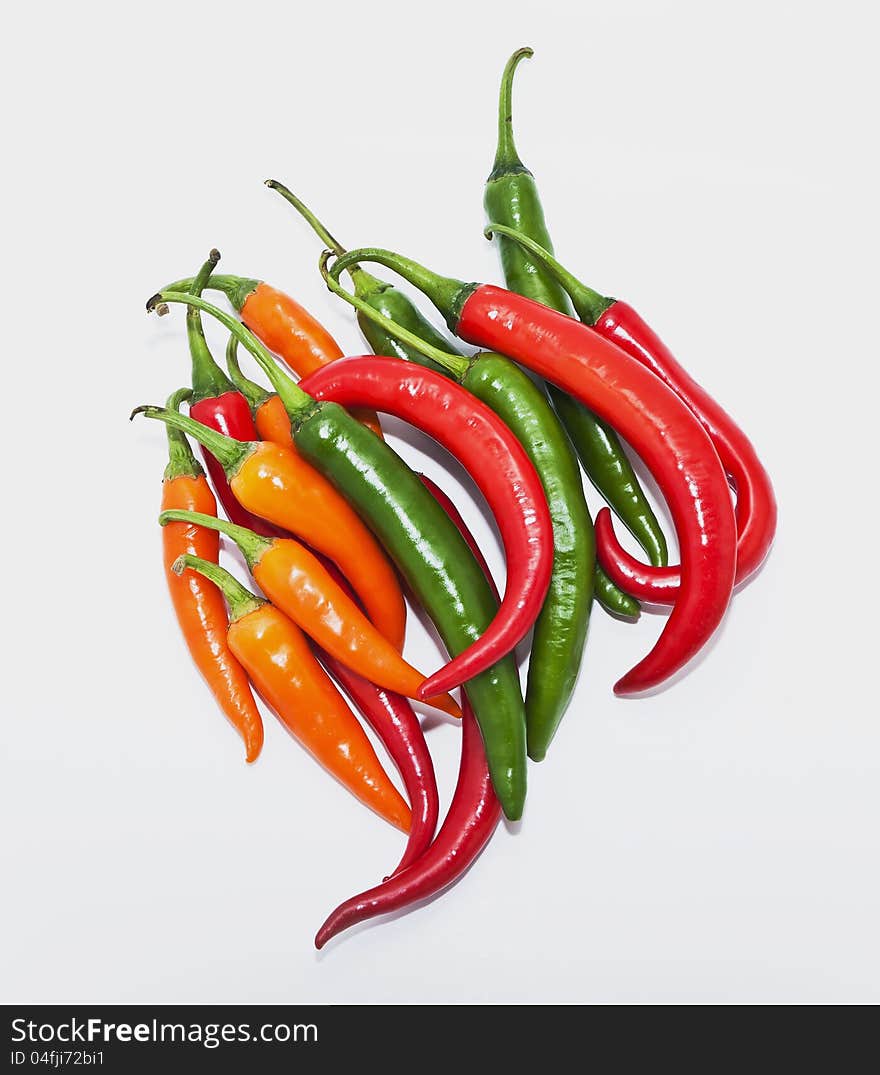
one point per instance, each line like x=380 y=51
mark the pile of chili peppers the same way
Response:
x=335 y=527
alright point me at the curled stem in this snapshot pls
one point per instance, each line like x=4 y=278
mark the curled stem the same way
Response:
x=454 y=364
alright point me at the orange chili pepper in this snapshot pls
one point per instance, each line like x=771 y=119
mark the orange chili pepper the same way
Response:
x=285 y=672
x=279 y=485
x=199 y=608
x=302 y=588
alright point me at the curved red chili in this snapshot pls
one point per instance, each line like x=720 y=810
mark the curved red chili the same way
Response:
x=755 y=510
x=392 y=718
x=755 y=503
x=661 y=429
x=497 y=462
x=472 y=818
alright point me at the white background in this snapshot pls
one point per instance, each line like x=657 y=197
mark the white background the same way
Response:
x=717 y=842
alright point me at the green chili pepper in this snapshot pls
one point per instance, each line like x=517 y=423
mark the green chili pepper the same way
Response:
x=511 y=198
x=561 y=628
x=424 y=543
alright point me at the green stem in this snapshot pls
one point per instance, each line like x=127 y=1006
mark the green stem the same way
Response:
x=299 y=405
x=507 y=160
x=229 y=453
x=254 y=393
x=239 y=598
x=252 y=545
x=364 y=283
x=447 y=293
x=181 y=461
x=454 y=364
x=589 y=305
x=208 y=380
x=236 y=288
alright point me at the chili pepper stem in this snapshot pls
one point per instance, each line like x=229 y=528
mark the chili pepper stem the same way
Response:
x=252 y=545
x=364 y=283
x=181 y=461
x=236 y=288
x=589 y=304
x=298 y=405
x=240 y=599
x=454 y=364
x=507 y=160
x=208 y=379
x=230 y=453
x=448 y=294
x=254 y=393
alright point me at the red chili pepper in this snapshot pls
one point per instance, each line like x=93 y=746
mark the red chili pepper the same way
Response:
x=755 y=503
x=636 y=403
x=472 y=818
x=496 y=461
x=392 y=718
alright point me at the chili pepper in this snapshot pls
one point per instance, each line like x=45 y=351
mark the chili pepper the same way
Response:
x=472 y=818
x=289 y=679
x=470 y=822
x=270 y=417
x=431 y=554
x=216 y=404
x=199 y=608
x=279 y=485
x=673 y=444
x=392 y=718
x=755 y=503
x=561 y=627
x=282 y=324
x=295 y=581
x=511 y=197
x=393 y=304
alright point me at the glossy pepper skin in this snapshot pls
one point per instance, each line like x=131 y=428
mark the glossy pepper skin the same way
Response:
x=282 y=324
x=430 y=552
x=279 y=485
x=511 y=198
x=495 y=460
x=198 y=605
x=561 y=626
x=664 y=432
x=473 y=816
x=392 y=718
x=298 y=584
x=289 y=679
x=755 y=501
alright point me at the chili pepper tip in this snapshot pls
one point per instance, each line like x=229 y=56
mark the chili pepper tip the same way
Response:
x=139 y=410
